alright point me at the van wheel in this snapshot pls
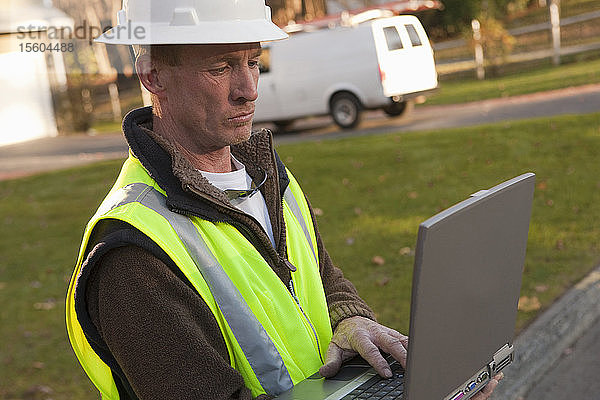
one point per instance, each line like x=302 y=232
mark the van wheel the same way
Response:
x=346 y=110
x=398 y=109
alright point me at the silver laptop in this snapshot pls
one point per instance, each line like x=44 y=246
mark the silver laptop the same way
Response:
x=466 y=282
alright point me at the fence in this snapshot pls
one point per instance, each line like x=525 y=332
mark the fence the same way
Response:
x=579 y=34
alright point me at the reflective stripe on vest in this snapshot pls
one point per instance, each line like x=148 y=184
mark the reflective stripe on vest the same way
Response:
x=293 y=204
x=250 y=334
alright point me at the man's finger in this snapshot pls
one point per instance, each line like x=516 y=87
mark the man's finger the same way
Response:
x=369 y=351
x=396 y=334
x=333 y=361
x=487 y=391
x=394 y=346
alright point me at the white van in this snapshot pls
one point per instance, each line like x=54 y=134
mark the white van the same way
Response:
x=380 y=63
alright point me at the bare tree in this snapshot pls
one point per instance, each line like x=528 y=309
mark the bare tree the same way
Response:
x=89 y=63
x=285 y=11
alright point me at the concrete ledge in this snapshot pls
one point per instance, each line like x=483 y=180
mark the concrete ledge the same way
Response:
x=541 y=345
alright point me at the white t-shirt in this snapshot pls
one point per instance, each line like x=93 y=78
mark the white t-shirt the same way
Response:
x=240 y=180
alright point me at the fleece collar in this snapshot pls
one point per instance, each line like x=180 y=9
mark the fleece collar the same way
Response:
x=182 y=182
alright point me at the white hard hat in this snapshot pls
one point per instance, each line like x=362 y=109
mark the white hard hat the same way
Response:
x=146 y=22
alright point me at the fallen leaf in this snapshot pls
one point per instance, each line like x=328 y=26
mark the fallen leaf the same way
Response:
x=345 y=181
x=37 y=392
x=541 y=288
x=46 y=305
x=383 y=281
x=527 y=304
x=568 y=351
x=2 y=285
x=413 y=195
x=550 y=203
x=378 y=260
x=37 y=365
x=405 y=251
x=560 y=244
x=318 y=212
x=542 y=185
x=357 y=210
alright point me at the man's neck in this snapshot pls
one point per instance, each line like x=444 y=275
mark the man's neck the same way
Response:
x=217 y=160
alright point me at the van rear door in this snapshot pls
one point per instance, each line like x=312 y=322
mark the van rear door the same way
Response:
x=405 y=56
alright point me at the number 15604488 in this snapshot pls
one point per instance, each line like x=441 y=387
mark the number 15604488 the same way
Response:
x=43 y=47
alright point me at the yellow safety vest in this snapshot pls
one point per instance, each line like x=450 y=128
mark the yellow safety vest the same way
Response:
x=276 y=336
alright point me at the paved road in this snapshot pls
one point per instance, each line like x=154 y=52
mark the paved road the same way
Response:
x=46 y=154
x=576 y=375
x=55 y=153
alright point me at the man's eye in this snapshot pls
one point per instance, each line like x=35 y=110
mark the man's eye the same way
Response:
x=218 y=71
x=253 y=63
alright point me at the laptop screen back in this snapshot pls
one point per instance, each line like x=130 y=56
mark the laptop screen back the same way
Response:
x=467 y=278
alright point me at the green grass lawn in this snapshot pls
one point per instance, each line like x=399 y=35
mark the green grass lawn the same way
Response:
x=372 y=192
x=536 y=80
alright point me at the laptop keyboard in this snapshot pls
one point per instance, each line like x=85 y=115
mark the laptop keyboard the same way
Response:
x=381 y=388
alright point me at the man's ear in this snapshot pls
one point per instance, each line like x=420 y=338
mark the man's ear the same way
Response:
x=148 y=74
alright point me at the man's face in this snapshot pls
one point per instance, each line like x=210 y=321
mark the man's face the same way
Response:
x=210 y=95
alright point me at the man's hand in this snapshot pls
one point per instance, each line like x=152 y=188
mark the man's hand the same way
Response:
x=486 y=392
x=359 y=335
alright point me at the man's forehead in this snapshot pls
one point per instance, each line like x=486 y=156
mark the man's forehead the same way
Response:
x=220 y=50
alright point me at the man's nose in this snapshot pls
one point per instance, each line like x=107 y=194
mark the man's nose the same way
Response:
x=244 y=86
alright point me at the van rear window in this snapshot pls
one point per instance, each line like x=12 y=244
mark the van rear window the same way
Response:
x=414 y=35
x=392 y=37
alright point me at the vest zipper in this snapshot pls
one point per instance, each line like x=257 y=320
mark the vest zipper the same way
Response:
x=250 y=236
x=297 y=300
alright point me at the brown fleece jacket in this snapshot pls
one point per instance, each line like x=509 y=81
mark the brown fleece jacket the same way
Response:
x=156 y=332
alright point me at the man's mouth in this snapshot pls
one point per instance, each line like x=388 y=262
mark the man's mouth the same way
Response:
x=242 y=117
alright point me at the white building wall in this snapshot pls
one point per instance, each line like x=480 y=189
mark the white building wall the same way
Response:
x=26 y=110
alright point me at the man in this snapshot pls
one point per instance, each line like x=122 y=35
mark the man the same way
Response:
x=202 y=274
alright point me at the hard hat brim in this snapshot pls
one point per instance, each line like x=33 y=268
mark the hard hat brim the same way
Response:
x=206 y=32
